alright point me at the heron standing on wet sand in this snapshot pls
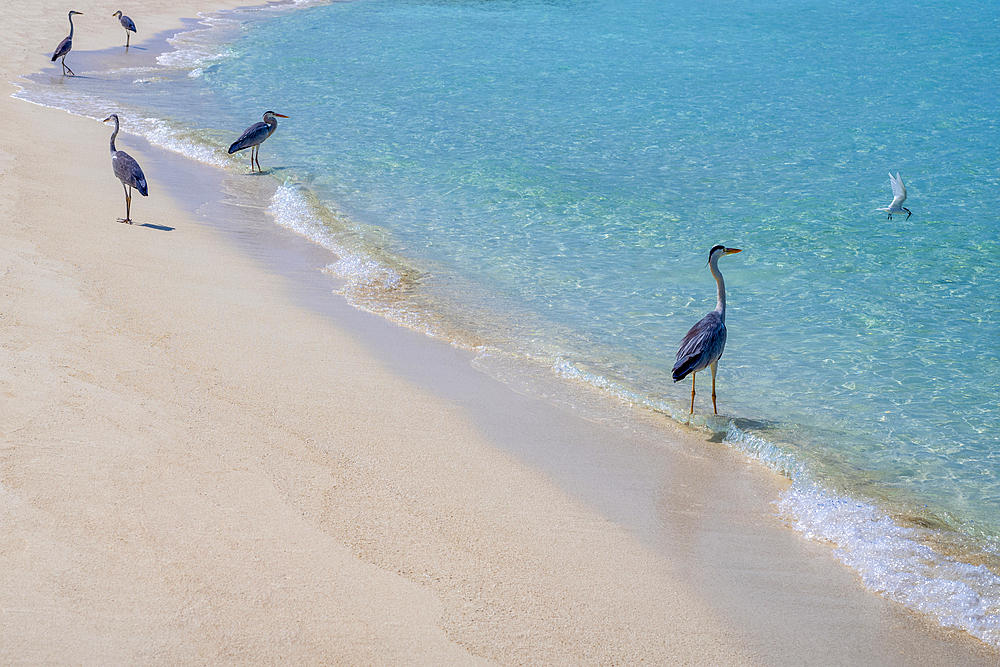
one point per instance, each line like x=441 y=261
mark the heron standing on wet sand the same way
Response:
x=703 y=344
x=127 y=23
x=255 y=135
x=65 y=46
x=128 y=172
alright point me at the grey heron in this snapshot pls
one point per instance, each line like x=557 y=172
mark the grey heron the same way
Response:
x=127 y=23
x=898 y=197
x=65 y=46
x=128 y=172
x=255 y=135
x=704 y=342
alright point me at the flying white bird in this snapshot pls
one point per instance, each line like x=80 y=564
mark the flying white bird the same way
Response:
x=898 y=197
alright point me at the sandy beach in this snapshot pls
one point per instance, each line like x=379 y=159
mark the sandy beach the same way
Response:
x=208 y=458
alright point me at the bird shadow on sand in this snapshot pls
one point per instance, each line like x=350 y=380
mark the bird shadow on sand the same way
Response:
x=159 y=228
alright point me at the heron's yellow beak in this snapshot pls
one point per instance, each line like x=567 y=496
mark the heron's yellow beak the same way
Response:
x=733 y=251
x=281 y=115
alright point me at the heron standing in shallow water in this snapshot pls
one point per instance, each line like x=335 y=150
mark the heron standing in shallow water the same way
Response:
x=66 y=46
x=128 y=172
x=898 y=197
x=255 y=135
x=127 y=23
x=703 y=344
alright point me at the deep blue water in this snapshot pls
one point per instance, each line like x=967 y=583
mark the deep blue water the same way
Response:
x=543 y=180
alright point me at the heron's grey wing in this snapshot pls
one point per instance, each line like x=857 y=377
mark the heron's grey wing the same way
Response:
x=252 y=136
x=702 y=345
x=898 y=191
x=63 y=48
x=129 y=172
x=127 y=23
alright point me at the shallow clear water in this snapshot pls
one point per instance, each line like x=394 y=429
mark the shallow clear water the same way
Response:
x=544 y=180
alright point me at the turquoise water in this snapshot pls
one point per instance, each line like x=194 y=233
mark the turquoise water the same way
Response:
x=542 y=180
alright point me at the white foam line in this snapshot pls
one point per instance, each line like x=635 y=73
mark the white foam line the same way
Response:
x=891 y=559
x=893 y=562
x=292 y=211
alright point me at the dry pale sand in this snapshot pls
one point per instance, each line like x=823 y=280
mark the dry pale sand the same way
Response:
x=207 y=458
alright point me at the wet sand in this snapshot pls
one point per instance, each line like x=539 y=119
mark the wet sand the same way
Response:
x=208 y=457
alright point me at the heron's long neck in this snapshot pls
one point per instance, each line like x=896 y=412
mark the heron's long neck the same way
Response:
x=113 y=135
x=720 y=306
x=71 y=26
x=272 y=124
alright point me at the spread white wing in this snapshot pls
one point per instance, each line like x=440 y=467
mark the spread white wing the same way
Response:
x=898 y=191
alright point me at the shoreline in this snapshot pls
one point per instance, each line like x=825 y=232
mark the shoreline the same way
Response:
x=280 y=477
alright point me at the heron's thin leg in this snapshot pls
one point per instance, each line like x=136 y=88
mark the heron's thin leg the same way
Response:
x=128 y=205
x=256 y=152
x=66 y=67
x=693 y=375
x=715 y=366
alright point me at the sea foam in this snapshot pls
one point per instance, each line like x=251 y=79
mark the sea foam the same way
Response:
x=896 y=562
x=292 y=210
x=892 y=559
